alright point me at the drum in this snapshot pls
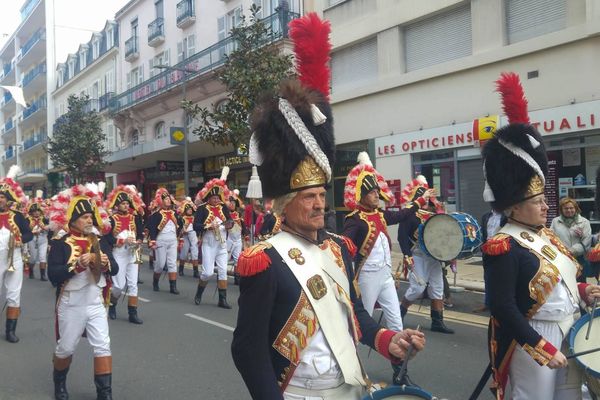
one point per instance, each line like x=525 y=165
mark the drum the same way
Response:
x=400 y=393
x=589 y=363
x=447 y=237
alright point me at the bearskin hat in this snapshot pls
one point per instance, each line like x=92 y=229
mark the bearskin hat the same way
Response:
x=293 y=144
x=514 y=160
x=74 y=202
x=123 y=193
x=216 y=187
x=361 y=180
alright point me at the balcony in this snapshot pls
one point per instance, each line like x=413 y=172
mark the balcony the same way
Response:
x=93 y=105
x=8 y=76
x=37 y=138
x=202 y=62
x=131 y=49
x=34 y=73
x=104 y=101
x=156 y=32
x=186 y=14
x=39 y=104
x=8 y=154
x=32 y=49
x=8 y=126
x=33 y=175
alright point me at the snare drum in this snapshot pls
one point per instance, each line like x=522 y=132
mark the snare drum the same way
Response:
x=400 y=393
x=589 y=363
x=447 y=237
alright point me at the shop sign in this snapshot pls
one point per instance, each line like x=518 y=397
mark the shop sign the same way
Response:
x=177 y=166
x=232 y=160
x=551 y=121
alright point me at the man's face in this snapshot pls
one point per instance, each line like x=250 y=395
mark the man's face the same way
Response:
x=214 y=200
x=3 y=202
x=167 y=203
x=304 y=213
x=83 y=224
x=36 y=214
x=231 y=205
x=533 y=211
x=371 y=199
x=123 y=207
x=189 y=211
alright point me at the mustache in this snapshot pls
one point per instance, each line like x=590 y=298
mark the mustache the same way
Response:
x=317 y=214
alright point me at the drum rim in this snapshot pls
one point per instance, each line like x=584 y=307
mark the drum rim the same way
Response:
x=422 y=229
x=410 y=390
x=573 y=332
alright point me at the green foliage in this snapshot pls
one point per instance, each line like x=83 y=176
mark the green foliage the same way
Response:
x=252 y=68
x=77 y=144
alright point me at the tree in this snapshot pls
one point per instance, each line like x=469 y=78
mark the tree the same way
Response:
x=77 y=144
x=253 y=67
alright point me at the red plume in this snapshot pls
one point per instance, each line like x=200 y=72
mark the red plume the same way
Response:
x=514 y=102
x=310 y=35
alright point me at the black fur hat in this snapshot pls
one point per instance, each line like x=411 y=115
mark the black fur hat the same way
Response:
x=514 y=160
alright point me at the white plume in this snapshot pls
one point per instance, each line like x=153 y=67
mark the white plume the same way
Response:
x=364 y=159
x=92 y=186
x=14 y=171
x=101 y=187
x=421 y=179
x=224 y=173
x=236 y=191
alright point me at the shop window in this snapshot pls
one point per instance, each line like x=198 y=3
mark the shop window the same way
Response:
x=159 y=130
x=438 y=169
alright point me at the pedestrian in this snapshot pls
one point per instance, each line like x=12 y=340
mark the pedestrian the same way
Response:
x=534 y=295
x=575 y=232
x=189 y=237
x=80 y=265
x=425 y=273
x=14 y=233
x=212 y=221
x=491 y=222
x=37 y=248
x=299 y=318
x=125 y=236
x=238 y=230
x=164 y=227
x=366 y=226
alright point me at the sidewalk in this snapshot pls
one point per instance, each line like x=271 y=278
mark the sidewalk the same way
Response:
x=469 y=273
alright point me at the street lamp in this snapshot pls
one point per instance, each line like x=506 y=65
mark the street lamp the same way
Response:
x=186 y=174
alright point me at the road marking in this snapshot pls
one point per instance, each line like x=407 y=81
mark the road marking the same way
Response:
x=143 y=300
x=457 y=317
x=208 y=321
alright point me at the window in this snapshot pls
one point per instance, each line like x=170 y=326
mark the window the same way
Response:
x=110 y=137
x=526 y=19
x=438 y=39
x=135 y=77
x=135 y=137
x=60 y=76
x=134 y=28
x=228 y=21
x=159 y=130
x=71 y=68
x=186 y=48
x=82 y=59
x=159 y=59
x=110 y=37
x=158 y=5
x=95 y=49
x=355 y=65
x=269 y=7
x=110 y=81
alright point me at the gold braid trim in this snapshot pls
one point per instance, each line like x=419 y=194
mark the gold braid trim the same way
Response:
x=539 y=355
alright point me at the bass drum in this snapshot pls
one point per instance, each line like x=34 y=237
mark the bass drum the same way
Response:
x=400 y=393
x=589 y=363
x=447 y=237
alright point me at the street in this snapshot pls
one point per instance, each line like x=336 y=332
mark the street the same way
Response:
x=182 y=351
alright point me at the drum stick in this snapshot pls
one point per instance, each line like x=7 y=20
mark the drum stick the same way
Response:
x=409 y=352
x=583 y=353
x=589 y=329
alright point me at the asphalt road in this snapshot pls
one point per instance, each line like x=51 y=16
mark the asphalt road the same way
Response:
x=182 y=351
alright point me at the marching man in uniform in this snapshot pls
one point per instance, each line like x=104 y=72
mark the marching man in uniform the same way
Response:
x=213 y=222
x=38 y=247
x=127 y=232
x=300 y=319
x=366 y=226
x=237 y=231
x=14 y=233
x=164 y=226
x=533 y=291
x=425 y=273
x=80 y=265
x=187 y=208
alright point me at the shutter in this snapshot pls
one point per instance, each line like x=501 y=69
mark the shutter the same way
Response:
x=526 y=19
x=438 y=39
x=354 y=66
x=140 y=74
x=221 y=28
x=129 y=79
x=470 y=183
x=151 y=68
x=191 y=45
x=180 y=52
x=167 y=57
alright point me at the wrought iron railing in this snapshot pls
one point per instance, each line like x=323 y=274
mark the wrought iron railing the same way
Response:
x=9 y=125
x=156 y=29
x=30 y=76
x=39 y=104
x=201 y=62
x=32 y=41
x=37 y=138
x=131 y=46
x=185 y=9
x=104 y=100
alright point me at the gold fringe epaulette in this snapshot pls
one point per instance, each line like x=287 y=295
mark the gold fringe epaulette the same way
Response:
x=497 y=245
x=350 y=214
x=352 y=249
x=254 y=260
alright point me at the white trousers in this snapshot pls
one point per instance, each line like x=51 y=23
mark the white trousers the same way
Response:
x=234 y=249
x=427 y=270
x=378 y=286
x=11 y=282
x=213 y=253
x=166 y=252
x=190 y=245
x=79 y=311
x=530 y=381
x=127 y=277
x=38 y=249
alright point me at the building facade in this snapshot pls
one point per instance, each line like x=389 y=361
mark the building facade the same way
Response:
x=409 y=77
x=168 y=47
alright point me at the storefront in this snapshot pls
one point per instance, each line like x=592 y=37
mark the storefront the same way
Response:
x=240 y=170
x=449 y=157
x=167 y=174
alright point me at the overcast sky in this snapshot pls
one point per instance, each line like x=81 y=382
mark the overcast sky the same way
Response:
x=75 y=21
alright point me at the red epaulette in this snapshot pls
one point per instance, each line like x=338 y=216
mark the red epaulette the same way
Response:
x=594 y=254
x=497 y=245
x=349 y=245
x=254 y=260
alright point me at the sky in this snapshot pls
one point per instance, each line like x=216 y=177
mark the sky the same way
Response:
x=75 y=21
